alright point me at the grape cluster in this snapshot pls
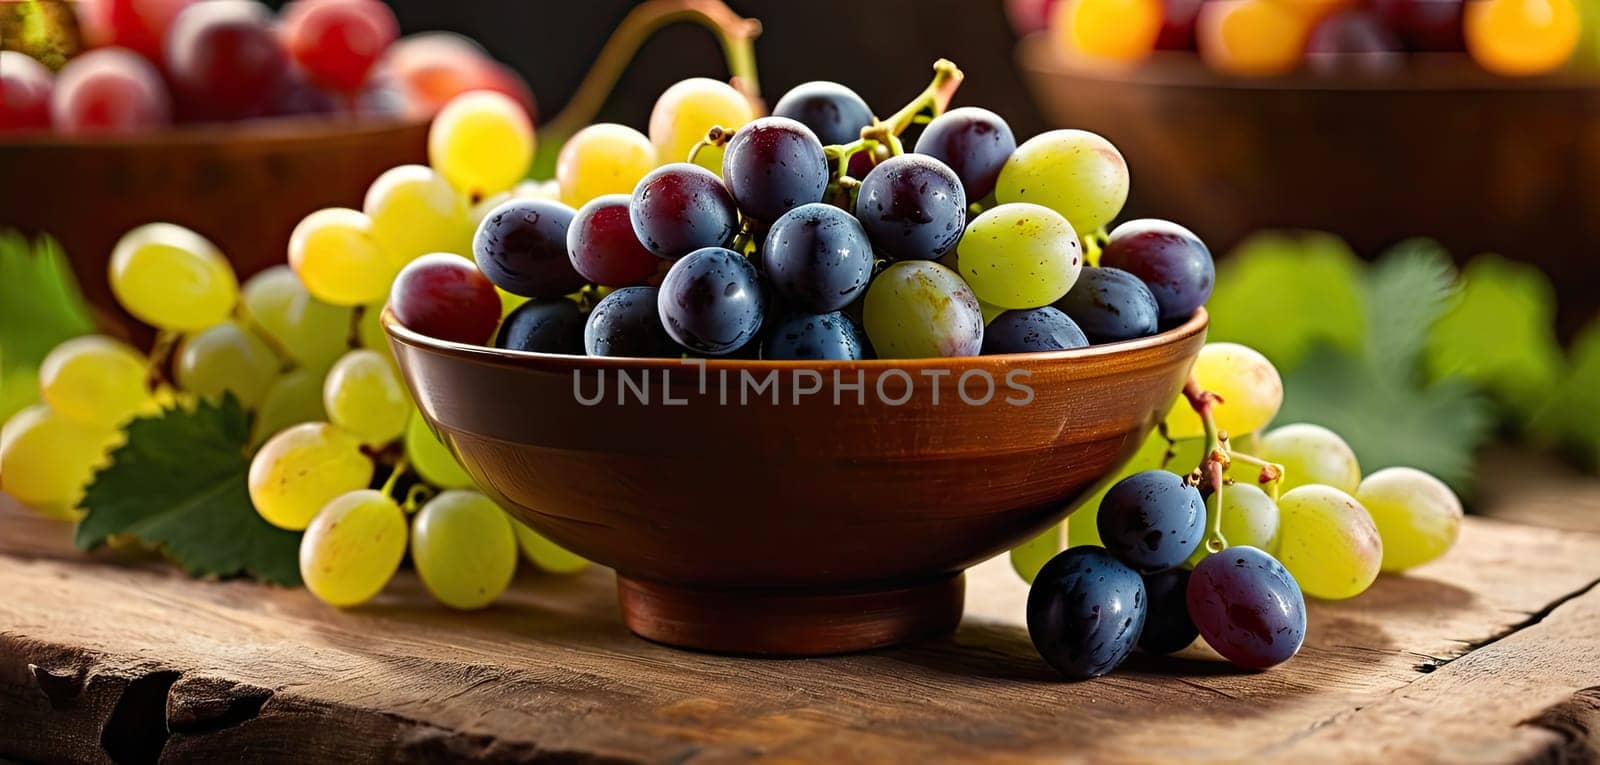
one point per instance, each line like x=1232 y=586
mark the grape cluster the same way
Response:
x=154 y=63
x=1153 y=563
x=727 y=234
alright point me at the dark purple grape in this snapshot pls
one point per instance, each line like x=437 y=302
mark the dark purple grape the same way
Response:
x=1167 y=626
x=773 y=165
x=1085 y=612
x=1152 y=520
x=973 y=142
x=549 y=325
x=1247 y=607
x=1354 y=41
x=1110 y=304
x=912 y=207
x=824 y=337
x=1428 y=25
x=712 y=301
x=602 y=246
x=522 y=247
x=224 y=60
x=627 y=323
x=680 y=208
x=832 y=111
x=1030 y=331
x=817 y=258
x=1169 y=259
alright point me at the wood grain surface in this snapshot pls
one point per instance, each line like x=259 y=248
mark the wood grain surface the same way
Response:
x=1490 y=655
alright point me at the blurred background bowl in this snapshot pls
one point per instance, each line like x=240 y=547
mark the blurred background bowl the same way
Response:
x=797 y=527
x=243 y=186
x=1480 y=162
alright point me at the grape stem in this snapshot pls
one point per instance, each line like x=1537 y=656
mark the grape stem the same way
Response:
x=1208 y=475
x=160 y=352
x=1271 y=472
x=716 y=136
x=884 y=135
x=400 y=466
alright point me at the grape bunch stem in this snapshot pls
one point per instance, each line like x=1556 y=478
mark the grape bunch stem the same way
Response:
x=1208 y=476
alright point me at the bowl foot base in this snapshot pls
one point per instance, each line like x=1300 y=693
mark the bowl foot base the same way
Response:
x=778 y=623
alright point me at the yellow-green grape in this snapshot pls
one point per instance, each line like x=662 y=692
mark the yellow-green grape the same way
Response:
x=464 y=549
x=1074 y=172
x=509 y=302
x=95 y=380
x=603 y=159
x=336 y=255
x=481 y=142
x=1249 y=385
x=301 y=469
x=369 y=331
x=311 y=332
x=226 y=357
x=1083 y=526
x=545 y=554
x=431 y=459
x=414 y=212
x=47 y=460
x=918 y=309
x=353 y=547
x=1328 y=542
x=1418 y=516
x=1249 y=517
x=294 y=398
x=687 y=111
x=989 y=311
x=1030 y=556
x=1311 y=454
x=363 y=395
x=1020 y=256
x=172 y=278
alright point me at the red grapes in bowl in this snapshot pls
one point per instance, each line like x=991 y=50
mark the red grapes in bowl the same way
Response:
x=832 y=111
x=1169 y=259
x=550 y=325
x=1032 y=330
x=713 y=301
x=773 y=165
x=680 y=208
x=627 y=323
x=973 y=142
x=522 y=247
x=603 y=247
x=1111 y=305
x=110 y=90
x=912 y=207
x=25 y=86
x=815 y=337
x=444 y=296
x=225 y=60
x=817 y=258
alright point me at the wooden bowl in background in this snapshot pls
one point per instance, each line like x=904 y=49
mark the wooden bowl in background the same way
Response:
x=792 y=528
x=243 y=186
x=1480 y=162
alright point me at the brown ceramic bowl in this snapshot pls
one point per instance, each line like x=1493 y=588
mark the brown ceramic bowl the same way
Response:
x=802 y=526
x=1444 y=149
x=243 y=186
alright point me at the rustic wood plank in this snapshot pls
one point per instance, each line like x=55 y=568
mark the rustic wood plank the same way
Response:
x=89 y=644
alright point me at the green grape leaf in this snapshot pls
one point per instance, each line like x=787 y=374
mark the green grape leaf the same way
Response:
x=179 y=485
x=39 y=308
x=1286 y=293
x=1572 y=414
x=1500 y=333
x=1406 y=292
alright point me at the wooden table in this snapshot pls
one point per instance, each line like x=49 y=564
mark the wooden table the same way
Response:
x=1491 y=655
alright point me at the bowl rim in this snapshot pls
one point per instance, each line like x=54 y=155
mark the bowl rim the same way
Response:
x=399 y=333
x=287 y=129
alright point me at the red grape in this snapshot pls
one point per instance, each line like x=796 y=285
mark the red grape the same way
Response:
x=138 y=25
x=1177 y=24
x=1247 y=607
x=1433 y=25
x=1169 y=259
x=603 y=247
x=444 y=296
x=1029 y=16
x=109 y=90
x=25 y=86
x=337 y=42
x=435 y=67
x=225 y=60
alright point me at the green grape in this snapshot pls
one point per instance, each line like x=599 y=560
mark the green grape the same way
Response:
x=510 y=302
x=172 y=278
x=1328 y=542
x=1249 y=517
x=1030 y=556
x=294 y=398
x=1020 y=256
x=481 y=142
x=369 y=332
x=545 y=554
x=1417 y=515
x=336 y=255
x=989 y=311
x=684 y=114
x=602 y=159
x=46 y=460
x=464 y=549
x=918 y=309
x=431 y=459
x=301 y=469
x=1311 y=454
x=95 y=380
x=353 y=547
x=364 y=396
x=1249 y=385
x=414 y=212
x=311 y=332
x=1074 y=172
x=226 y=357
